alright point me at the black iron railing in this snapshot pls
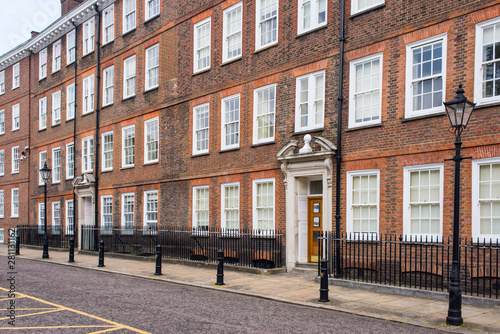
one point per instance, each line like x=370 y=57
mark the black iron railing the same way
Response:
x=57 y=237
x=242 y=247
x=413 y=262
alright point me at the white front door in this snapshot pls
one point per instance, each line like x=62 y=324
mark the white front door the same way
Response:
x=87 y=220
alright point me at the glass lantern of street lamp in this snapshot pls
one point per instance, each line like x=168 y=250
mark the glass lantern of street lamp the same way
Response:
x=459 y=110
x=45 y=172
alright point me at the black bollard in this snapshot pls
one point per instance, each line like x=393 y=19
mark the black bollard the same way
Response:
x=220 y=268
x=323 y=288
x=158 y=260
x=18 y=244
x=71 y=250
x=101 y=254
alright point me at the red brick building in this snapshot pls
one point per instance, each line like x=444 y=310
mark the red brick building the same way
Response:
x=197 y=113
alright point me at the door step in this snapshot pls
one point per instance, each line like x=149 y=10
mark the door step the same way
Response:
x=306 y=268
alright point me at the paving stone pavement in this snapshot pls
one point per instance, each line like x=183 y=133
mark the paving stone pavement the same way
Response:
x=294 y=288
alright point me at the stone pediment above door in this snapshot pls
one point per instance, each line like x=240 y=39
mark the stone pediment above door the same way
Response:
x=84 y=183
x=309 y=148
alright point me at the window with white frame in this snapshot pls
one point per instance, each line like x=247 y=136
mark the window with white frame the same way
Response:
x=230 y=206
x=312 y=15
x=128 y=15
x=42 y=113
x=200 y=209
x=230 y=122
x=128 y=146
x=70 y=160
x=56 y=108
x=56 y=56
x=15 y=117
x=202 y=43
x=232 y=32
x=128 y=201
x=88 y=36
x=267 y=23
x=2 y=82
x=108 y=24
x=363 y=204
x=152 y=9
x=425 y=76
x=107 y=214
x=70 y=217
x=14 y=203
x=264 y=109
x=129 y=77
x=70 y=102
x=362 y=5
x=152 y=66
x=150 y=211
x=108 y=86
x=310 y=101
x=70 y=46
x=42 y=159
x=56 y=218
x=2 y=237
x=107 y=151
x=487 y=62
x=2 y=122
x=365 y=91
x=201 y=117
x=15 y=159
x=2 y=202
x=87 y=154
x=486 y=199
x=2 y=162
x=41 y=217
x=423 y=201
x=16 y=75
x=42 y=64
x=56 y=165
x=151 y=142
x=263 y=204
x=88 y=94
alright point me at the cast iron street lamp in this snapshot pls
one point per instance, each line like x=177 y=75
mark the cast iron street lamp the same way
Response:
x=459 y=111
x=45 y=173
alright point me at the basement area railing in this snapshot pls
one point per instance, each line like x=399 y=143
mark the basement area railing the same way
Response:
x=242 y=247
x=57 y=236
x=413 y=262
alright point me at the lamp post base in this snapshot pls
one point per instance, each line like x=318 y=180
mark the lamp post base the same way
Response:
x=454 y=317
x=45 y=253
x=455 y=320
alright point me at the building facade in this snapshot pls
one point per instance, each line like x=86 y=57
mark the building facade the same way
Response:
x=225 y=113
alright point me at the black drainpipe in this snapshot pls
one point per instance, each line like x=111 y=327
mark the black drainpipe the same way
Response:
x=74 y=136
x=97 y=111
x=340 y=100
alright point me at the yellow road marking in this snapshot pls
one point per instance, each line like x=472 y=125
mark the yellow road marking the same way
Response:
x=29 y=309
x=7 y=298
x=49 y=327
x=64 y=308
x=106 y=330
x=30 y=314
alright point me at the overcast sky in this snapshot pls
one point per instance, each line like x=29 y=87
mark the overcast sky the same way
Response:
x=19 y=17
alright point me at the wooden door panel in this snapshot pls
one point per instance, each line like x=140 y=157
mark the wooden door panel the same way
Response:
x=315 y=226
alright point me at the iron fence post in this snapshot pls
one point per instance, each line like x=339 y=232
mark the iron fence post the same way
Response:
x=101 y=254
x=71 y=250
x=158 y=260
x=323 y=290
x=220 y=268
x=18 y=241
